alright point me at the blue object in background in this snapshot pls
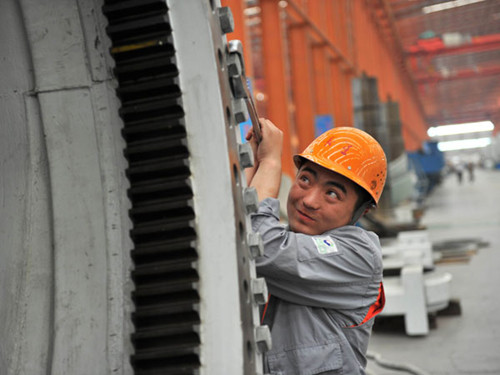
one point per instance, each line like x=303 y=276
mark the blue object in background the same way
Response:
x=244 y=128
x=322 y=123
x=429 y=164
x=429 y=157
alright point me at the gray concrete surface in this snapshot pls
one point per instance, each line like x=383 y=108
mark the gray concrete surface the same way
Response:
x=469 y=343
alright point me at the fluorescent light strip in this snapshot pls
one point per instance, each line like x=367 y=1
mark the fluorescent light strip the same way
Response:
x=252 y=11
x=448 y=5
x=464 y=144
x=470 y=127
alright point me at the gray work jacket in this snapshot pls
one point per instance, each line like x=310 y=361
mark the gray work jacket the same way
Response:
x=325 y=291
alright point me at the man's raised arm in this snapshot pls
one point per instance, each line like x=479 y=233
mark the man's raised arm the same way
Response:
x=265 y=176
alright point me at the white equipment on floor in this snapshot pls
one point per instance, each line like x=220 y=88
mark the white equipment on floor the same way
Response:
x=418 y=290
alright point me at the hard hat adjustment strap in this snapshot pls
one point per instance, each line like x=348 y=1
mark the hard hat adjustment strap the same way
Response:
x=359 y=211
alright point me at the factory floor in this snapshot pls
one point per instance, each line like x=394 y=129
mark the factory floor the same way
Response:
x=468 y=343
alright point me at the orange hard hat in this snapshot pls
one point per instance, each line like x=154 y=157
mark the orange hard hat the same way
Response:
x=352 y=153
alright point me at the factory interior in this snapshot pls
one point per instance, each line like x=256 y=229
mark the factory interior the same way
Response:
x=126 y=245
x=423 y=78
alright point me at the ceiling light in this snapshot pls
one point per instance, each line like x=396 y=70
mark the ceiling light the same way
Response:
x=470 y=127
x=252 y=11
x=464 y=144
x=448 y=5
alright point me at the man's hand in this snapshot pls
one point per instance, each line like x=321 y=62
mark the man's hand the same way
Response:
x=265 y=175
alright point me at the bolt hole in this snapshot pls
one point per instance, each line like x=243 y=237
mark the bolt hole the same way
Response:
x=245 y=286
x=236 y=175
x=241 y=232
x=220 y=55
x=249 y=349
x=228 y=117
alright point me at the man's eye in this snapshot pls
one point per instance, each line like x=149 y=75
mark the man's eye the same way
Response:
x=332 y=194
x=304 y=179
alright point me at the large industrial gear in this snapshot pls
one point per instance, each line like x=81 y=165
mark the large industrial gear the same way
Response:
x=126 y=238
x=189 y=205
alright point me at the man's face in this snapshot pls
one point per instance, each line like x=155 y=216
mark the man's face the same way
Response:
x=320 y=200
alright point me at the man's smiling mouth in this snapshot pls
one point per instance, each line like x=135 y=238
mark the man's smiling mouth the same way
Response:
x=305 y=216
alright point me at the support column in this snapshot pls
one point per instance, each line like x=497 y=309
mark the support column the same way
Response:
x=334 y=67
x=342 y=40
x=302 y=84
x=321 y=73
x=341 y=74
x=275 y=75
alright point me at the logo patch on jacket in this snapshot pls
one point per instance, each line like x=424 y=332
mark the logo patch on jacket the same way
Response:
x=325 y=244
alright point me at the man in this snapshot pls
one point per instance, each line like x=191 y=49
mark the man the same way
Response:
x=324 y=274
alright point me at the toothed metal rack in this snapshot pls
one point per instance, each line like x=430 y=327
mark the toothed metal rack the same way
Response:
x=196 y=293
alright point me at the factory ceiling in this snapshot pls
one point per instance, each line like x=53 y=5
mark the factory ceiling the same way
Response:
x=452 y=51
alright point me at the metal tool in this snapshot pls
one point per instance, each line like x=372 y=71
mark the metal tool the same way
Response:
x=239 y=85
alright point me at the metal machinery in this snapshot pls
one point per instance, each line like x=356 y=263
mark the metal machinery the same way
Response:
x=81 y=170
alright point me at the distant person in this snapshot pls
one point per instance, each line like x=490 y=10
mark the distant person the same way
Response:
x=470 y=169
x=459 y=170
x=323 y=272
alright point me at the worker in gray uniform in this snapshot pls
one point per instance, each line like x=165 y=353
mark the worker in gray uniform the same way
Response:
x=324 y=274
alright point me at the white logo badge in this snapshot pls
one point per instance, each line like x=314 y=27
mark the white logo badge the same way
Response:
x=325 y=245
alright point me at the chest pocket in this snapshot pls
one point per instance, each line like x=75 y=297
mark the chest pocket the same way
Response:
x=307 y=360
